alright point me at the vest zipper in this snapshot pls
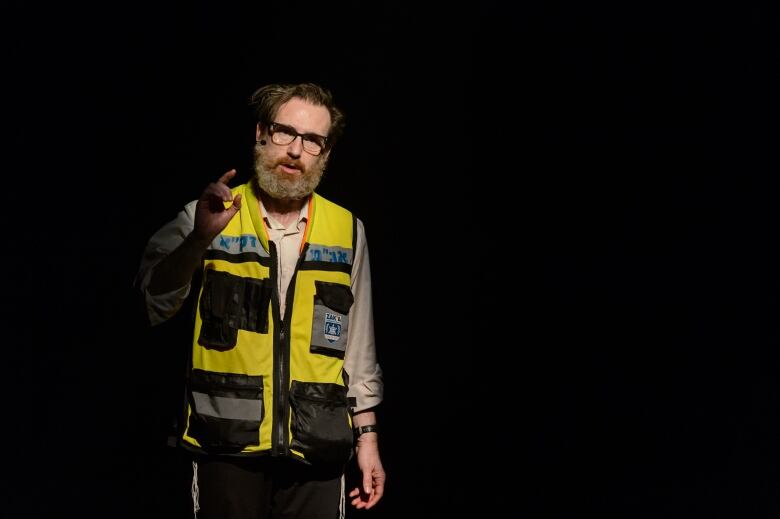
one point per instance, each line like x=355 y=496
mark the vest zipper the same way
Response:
x=280 y=444
x=278 y=432
x=283 y=376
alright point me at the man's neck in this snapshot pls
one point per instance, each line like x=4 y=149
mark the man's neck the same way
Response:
x=283 y=211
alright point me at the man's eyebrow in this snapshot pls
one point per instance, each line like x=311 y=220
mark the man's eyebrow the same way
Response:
x=305 y=134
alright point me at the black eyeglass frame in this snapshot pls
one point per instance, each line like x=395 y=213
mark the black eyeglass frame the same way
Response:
x=313 y=138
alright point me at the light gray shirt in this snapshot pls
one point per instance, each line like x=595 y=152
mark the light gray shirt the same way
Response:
x=360 y=362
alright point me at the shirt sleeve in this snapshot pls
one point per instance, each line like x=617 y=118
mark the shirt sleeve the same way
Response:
x=364 y=375
x=161 y=307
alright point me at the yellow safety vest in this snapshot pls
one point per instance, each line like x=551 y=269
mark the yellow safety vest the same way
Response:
x=262 y=383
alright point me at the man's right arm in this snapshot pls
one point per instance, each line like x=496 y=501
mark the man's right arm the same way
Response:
x=167 y=266
x=176 y=250
x=176 y=269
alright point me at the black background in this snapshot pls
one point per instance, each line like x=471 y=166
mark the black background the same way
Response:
x=571 y=216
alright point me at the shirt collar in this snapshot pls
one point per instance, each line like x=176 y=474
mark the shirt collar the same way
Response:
x=273 y=224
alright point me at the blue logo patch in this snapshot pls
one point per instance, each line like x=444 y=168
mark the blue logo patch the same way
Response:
x=332 y=329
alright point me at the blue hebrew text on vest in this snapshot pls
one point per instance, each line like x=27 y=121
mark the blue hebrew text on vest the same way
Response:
x=329 y=254
x=238 y=244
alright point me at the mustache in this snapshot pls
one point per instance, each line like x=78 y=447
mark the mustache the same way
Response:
x=290 y=163
x=287 y=161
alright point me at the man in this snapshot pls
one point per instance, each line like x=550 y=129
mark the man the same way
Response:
x=283 y=354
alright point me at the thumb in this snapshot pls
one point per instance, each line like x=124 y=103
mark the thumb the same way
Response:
x=236 y=203
x=367 y=480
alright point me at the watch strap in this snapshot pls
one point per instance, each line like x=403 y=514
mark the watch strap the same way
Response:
x=365 y=429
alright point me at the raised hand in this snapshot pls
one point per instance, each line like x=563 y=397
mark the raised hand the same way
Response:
x=212 y=213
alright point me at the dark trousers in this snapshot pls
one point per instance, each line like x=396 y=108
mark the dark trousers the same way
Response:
x=266 y=488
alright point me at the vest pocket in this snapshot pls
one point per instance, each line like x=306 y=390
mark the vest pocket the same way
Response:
x=226 y=410
x=330 y=325
x=230 y=303
x=320 y=424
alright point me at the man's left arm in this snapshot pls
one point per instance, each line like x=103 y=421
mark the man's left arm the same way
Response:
x=364 y=378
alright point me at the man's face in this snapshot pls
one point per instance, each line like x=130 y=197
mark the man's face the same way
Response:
x=289 y=172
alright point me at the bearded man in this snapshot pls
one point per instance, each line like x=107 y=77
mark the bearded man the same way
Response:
x=283 y=379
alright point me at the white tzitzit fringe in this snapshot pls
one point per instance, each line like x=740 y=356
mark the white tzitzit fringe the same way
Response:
x=195 y=490
x=342 y=499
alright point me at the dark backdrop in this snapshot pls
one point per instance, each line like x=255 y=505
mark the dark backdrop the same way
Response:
x=570 y=212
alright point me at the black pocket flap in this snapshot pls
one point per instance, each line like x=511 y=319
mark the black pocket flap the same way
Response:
x=320 y=391
x=233 y=385
x=335 y=295
x=222 y=296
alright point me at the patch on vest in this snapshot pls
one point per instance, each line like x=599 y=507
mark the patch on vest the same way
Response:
x=332 y=327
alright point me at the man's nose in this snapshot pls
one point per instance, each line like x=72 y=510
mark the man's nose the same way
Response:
x=295 y=148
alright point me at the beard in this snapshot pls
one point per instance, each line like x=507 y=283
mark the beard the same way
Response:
x=281 y=185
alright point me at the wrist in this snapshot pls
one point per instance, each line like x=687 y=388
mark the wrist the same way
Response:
x=198 y=241
x=360 y=430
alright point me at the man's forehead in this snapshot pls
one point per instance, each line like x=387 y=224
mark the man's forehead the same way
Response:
x=304 y=115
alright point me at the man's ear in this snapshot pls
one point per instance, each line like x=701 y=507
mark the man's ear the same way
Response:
x=258 y=132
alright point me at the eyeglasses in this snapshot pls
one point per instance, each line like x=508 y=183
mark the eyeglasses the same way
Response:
x=283 y=135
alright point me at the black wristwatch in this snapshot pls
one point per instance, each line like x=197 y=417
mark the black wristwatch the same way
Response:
x=364 y=429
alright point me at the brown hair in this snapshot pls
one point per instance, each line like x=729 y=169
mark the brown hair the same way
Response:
x=266 y=101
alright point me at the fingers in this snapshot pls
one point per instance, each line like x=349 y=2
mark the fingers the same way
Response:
x=361 y=499
x=358 y=500
x=227 y=176
x=376 y=495
x=219 y=190
x=216 y=191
